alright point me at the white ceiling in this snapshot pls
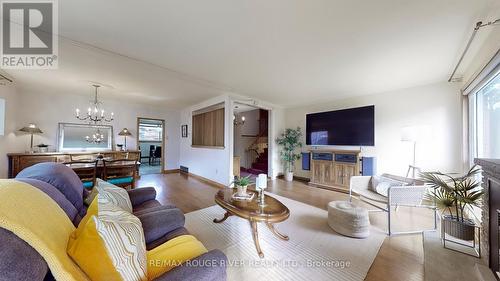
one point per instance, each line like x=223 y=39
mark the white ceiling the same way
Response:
x=288 y=52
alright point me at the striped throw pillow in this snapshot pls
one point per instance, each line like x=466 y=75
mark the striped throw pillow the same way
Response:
x=123 y=237
x=110 y=245
x=114 y=194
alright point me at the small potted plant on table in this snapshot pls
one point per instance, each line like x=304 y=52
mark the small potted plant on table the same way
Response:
x=454 y=195
x=241 y=183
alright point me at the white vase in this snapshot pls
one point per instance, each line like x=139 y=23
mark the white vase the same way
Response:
x=242 y=190
x=289 y=176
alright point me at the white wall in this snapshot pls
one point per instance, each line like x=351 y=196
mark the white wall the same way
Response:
x=436 y=108
x=9 y=141
x=210 y=163
x=47 y=111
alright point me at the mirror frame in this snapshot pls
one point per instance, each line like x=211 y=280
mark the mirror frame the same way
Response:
x=60 y=137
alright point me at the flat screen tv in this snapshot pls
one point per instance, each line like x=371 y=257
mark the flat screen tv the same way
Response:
x=353 y=126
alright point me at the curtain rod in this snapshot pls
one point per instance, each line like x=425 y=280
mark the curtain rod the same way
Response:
x=479 y=24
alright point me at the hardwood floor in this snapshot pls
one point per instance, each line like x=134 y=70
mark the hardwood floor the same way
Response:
x=399 y=258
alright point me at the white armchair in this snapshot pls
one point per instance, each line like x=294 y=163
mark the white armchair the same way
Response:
x=404 y=195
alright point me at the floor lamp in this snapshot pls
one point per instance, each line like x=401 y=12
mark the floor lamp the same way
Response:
x=125 y=133
x=409 y=134
x=31 y=129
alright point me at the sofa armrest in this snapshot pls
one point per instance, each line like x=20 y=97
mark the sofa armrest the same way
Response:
x=160 y=222
x=406 y=195
x=210 y=266
x=141 y=195
x=18 y=260
x=358 y=183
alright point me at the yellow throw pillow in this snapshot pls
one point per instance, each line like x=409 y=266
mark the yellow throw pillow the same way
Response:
x=91 y=211
x=172 y=254
x=109 y=245
x=114 y=194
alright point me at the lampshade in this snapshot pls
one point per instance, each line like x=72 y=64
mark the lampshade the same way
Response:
x=31 y=129
x=124 y=132
x=261 y=182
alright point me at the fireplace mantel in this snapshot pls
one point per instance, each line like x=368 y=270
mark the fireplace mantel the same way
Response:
x=489 y=219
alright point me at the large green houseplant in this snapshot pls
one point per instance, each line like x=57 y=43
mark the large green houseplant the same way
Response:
x=454 y=195
x=290 y=142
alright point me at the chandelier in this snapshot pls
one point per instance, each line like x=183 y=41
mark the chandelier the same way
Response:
x=96 y=138
x=95 y=112
x=237 y=122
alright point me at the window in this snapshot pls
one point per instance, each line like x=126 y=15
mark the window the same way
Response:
x=150 y=130
x=208 y=127
x=2 y=117
x=484 y=119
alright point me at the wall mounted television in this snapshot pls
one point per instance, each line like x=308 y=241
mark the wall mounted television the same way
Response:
x=353 y=127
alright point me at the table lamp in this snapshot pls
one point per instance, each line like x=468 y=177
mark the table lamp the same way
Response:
x=31 y=129
x=261 y=184
x=125 y=133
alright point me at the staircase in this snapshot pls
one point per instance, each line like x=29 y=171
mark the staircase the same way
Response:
x=260 y=165
x=258 y=150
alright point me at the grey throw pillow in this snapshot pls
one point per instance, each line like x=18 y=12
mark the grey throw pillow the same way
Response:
x=380 y=184
x=383 y=188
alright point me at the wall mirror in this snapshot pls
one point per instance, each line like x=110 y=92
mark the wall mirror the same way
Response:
x=85 y=137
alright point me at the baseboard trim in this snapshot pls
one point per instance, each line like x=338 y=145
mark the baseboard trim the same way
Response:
x=171 y=171
x=330 y=187
x=297 y=178
x=205 y=180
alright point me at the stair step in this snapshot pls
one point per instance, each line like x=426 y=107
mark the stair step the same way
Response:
x=260 y=166
x=256 y=171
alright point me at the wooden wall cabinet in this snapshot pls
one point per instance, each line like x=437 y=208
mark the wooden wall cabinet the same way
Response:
x=333 y=169
x=208 y=129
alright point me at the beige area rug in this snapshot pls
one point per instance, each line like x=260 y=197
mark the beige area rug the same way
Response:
x=314 y=251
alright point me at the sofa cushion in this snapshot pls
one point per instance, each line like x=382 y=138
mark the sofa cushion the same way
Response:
x=211 y=267
x=172 y=234
x=146 y=206
x=159 y=222
x=61 y=177
x=57 y=196
x=141 y=194
x=173 y=253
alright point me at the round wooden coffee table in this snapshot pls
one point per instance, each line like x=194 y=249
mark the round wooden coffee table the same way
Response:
x=272 y=212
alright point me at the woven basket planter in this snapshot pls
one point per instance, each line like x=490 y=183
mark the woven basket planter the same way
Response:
x=463 y=230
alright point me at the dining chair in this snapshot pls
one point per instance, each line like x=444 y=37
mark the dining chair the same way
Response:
x=120 y=172
x=151 y=153
x=157 y=154
x=86 y=171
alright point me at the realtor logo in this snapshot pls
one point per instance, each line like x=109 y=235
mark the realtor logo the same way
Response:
x=28 y=35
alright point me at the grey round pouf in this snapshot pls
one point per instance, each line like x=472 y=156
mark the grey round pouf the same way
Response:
x=348 y=219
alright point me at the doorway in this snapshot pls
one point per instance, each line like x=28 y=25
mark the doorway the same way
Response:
x=151 y=144
x=250 y=140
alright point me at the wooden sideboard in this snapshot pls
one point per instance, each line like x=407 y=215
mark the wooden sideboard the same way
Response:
x=19 y=161
x=333 y=169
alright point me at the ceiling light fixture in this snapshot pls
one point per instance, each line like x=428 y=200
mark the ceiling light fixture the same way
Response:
x=237 y=122
x=95 y=112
